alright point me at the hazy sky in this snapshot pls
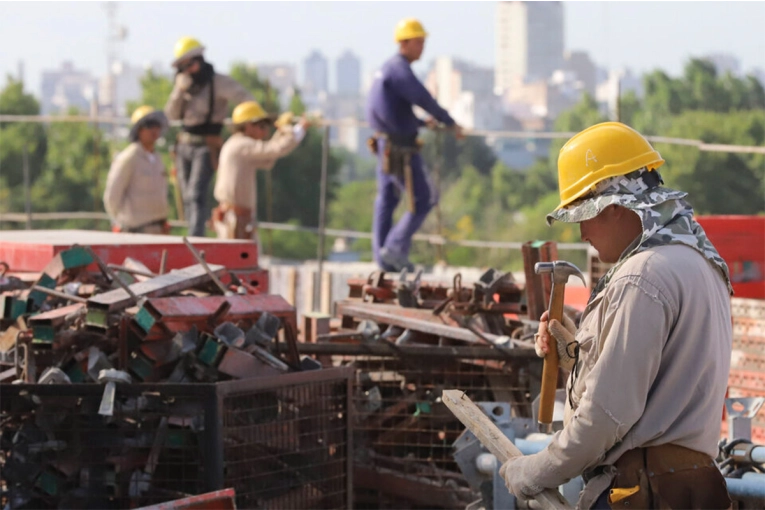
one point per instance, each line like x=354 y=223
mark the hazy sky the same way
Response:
x=639 y=35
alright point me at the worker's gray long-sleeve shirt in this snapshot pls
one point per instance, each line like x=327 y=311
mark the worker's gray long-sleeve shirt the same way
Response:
x=655 y=349
x=194 y=108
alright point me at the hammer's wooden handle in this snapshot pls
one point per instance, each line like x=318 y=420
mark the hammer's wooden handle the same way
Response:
x=550 y=368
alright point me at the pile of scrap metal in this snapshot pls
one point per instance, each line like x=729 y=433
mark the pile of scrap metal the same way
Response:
x=114 y=326
x=409 y=339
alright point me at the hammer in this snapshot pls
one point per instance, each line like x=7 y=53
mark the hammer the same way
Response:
x=560 y=271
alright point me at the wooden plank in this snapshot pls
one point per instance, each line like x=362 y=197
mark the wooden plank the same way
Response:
x=163 y=285
x=494 y=440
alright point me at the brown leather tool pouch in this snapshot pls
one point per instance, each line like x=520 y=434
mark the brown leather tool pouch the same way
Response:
x=668 y=477
x=214 y=144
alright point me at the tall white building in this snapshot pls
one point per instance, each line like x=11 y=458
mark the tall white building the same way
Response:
x=316 y=75
x=66 y=88
x=528 y=42
x=348 y=74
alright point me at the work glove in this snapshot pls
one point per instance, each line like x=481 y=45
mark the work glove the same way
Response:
x=183 y=81
x=564 y=337
x=284 y=119
x=519 y=478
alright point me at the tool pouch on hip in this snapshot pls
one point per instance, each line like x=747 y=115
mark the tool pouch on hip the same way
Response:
x=372 y=145
x=668 y=477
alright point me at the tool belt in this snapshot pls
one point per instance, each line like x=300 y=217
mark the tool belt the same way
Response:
x=140 y=228
x=232 y=222
x=213 y=143
x=397 y=158
x=667 y=477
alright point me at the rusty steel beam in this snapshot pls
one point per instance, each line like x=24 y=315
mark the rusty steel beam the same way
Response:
x=431 y=351
x=163 y=285
x=538 y=287
x=408 y=318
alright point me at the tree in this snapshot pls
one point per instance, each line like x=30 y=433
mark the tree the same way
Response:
x=443 y=149
x=155 y=89
x=76 y=165
x=248 y=77
x=15 y=138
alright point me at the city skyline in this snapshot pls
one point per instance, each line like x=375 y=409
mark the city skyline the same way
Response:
x=599 y=29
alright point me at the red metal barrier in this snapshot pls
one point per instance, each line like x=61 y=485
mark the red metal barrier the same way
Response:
x=219 y=500
x=741 y=242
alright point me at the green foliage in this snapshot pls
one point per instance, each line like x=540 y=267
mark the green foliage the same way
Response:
x=76 y=165
x=15 y=139
x=155 y=89
x=456 y=155
x=247 y=76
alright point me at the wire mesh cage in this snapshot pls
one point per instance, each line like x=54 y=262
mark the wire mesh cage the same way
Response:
x=166 y=441
x=403 y=433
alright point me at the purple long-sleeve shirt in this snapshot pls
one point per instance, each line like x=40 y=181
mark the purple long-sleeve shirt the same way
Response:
x=394 y=91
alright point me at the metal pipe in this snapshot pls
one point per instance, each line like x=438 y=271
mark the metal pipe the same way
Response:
x=200 y=259
x=322 y=219
x=111 y=275
x=62 y=295
x=740 y=488
x=27 y=192
x=129 y=270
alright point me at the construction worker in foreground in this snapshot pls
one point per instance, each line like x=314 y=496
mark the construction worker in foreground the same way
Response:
x=649 y=362
x=136 y=188
x=394 y=92
x=246 y=151
x=200 y=99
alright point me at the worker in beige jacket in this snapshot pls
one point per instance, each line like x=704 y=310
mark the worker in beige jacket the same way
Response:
x=246 y=151
x=649 y=362
x=136 y=188
x=200 y=99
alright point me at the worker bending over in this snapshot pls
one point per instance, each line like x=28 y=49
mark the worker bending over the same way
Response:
x=246 y=151
x=136 y=188
x=200 y=99
x=394 y=92
x=649 y=362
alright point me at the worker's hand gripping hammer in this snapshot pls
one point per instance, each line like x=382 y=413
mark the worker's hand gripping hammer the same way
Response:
x=560 y=271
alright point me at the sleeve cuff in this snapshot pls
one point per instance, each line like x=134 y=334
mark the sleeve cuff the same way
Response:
x=299 y=132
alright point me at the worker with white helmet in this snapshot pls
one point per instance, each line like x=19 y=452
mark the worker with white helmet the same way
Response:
x=649 y=362
x=394 y=92
x=247 y=150
x=136 y=188
x=200 y=99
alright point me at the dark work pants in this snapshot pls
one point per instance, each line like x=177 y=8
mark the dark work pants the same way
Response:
x=398 y=239
x=194 y=175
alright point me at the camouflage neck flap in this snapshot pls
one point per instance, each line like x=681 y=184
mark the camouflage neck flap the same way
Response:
x=666 y=217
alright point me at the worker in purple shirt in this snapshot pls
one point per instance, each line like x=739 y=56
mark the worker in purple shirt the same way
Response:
x=394 y=92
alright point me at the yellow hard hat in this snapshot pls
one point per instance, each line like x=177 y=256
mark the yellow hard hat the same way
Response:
x=249 y=111
x=140 y=112
x=409 y=28
x=601 y=151
x=187 y=47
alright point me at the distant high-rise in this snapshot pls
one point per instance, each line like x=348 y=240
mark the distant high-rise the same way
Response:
x=529 y=42
x=67 y=88
x=316 y=76
x=348 y=74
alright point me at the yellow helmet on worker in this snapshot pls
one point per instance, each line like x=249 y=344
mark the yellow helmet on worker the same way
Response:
x=409 y=28
x=601 y=151
x=186 y=48
x=140 y=113
x=146 y=116
x=249 y=111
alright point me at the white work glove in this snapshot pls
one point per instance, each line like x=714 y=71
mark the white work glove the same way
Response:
x=183 y=81
x=519 y=478
x=564 y=335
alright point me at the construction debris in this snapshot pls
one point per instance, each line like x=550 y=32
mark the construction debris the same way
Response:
x=122 y=440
